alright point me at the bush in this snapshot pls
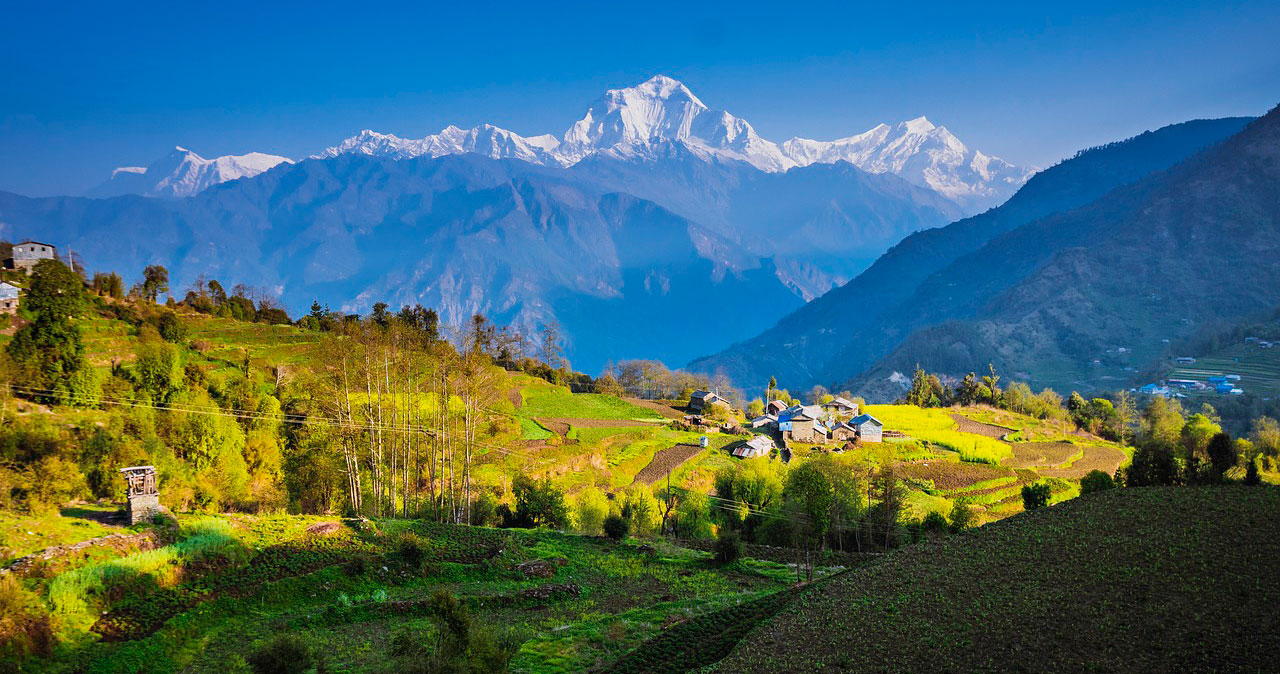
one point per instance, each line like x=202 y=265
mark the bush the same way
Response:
x=616 y=527
x=282 y=654
x=409 y=547
x=935 y=523
x=1036 y=496
x=961 y=517
x=1095 y=481
x=484 y=511
x=728 y=547
x=1251 y=476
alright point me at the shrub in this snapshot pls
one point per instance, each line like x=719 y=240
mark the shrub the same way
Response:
x=1251 y=476
x=728 y=547
x=961 y=517
x=616 y=527
x=935 y=523
x=1036 y=496
x=282 y=654
x=409 y=547
x=484 y=511
x=1095 y=481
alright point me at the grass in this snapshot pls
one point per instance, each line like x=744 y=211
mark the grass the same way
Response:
x=1156 y=579
x=22 y=534
x=548 y=401
x=937 y=427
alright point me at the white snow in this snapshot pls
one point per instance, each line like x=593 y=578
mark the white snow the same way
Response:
x=641 y=121
x=182 y=173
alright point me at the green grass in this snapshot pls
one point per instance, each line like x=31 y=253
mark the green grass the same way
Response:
x=557 y=402
x=532 y=430
x=1156 y=579
x=22 y=534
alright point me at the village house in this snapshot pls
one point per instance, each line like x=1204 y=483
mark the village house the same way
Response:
x=701 y=401
x=841 y=407
x=8 y=298
x=844 y=431
x=1186 y=360
x=800 y=423
x=869 y=428
x=775 y=407
x=765 y=421
x=28 y=253
x=758 y=446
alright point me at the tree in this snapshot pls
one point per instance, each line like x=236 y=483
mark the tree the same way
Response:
x=1222 y=454
x=217 y=294
x=1095 y=481
x=755 y=408
x=158 y=369
x=593 y=508
x=693 y=516
x=538 y=503
x=616 y=527
x=155 y=280
x=641 y=510
x=552 y=349
x=1152 y=465
x=1266 y=436
x=1036 y=496
x=773 y=386
x=807 y=501
x=48 y=352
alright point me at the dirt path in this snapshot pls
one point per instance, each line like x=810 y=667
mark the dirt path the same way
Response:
x=666 y=460
x=967 y=425
x=1105 y=459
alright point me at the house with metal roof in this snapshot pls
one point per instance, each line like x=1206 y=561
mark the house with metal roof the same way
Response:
x=9 y=298
x=870 y=429
x=703 y=400
x=757 y=446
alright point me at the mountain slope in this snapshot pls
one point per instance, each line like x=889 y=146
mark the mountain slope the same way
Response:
x=1150 y=579
x=182 y=173
x=843 y=332
x=1146 y=263
x=464 y=234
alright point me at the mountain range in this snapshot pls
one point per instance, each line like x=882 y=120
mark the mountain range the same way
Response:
x=643 y=122
x=1116 y=250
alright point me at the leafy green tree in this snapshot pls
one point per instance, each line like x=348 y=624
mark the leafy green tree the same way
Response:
x=962 y=517
x=155 y=280
x=1152 y=465
x=593 y=508
x=158 y=369
x=538 y=503
x=1036 y=496
x=1266 y=436
x=641 y=510
x=48 y=351
x=693 y=516
x=755 y=408
x=1222 y=454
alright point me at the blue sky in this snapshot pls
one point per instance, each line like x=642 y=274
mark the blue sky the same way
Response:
x=92 y=86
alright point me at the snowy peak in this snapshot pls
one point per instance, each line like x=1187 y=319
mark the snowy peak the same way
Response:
x=183 y=173
x=643 y=121
x=921 y=153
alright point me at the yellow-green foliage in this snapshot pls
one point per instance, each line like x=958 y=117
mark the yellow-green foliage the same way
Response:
x=937 y=426
x=545 y=400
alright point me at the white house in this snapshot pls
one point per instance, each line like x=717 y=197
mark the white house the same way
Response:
x=28 y=253
x=758 y=446
x=9 y=298
x=870 y=429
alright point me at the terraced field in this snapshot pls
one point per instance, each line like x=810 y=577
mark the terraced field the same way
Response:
x=1105 y=459
x=950 y=475
x=1042 y=454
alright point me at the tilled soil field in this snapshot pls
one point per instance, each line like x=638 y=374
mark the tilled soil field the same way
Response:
x=666 y=460
x=1105 y=459
x=966 y=425
x=950 y=474
x=1033 y=454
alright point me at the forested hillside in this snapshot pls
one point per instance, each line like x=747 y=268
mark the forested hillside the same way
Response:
x=838 y=335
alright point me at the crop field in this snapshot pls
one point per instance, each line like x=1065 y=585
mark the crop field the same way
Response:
x=225 y=583
x=966 y=425
x=1184 y=569
x=937 y=427
x=951 y=475
x=1105 y=459
x=666 y=461
x=1042 y=454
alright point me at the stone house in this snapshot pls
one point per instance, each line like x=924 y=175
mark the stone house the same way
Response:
x=760 y=445
x=702 y=401
x=28 y=253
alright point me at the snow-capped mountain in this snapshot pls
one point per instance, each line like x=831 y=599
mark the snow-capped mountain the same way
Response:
x=486 y=139
x=645 y=120
x=182 y=173
x=923 y=154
